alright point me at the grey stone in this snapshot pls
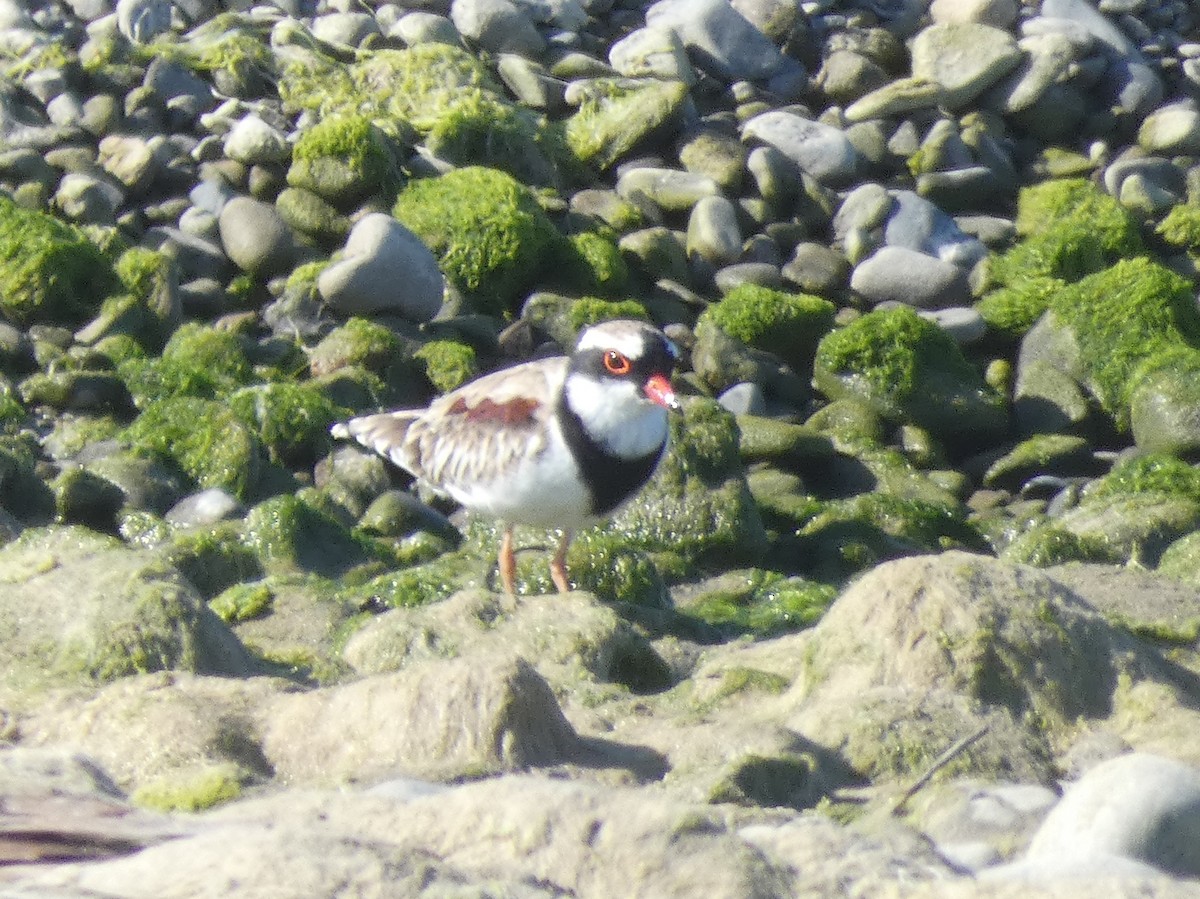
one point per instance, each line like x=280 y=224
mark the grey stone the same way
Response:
x=1171 y=130
x=816 y=268
x=907 y=276
x=205 y=507
x=88 y=199
x=962 y=323
x=499 y=26
x=652 y=53
x=964 y=59
x=670 y=189
x=255 y=237
x=745 y=398
x=141 y=21
x=254 y=142
x=348 y=29
x=1138 y=806
x=713 y=233
x=819 y=149
x=730 y=277
x=130 y=160
x=421 y=27
x=385 y=267
x=897 y=98
x=917 y=224
x=998 y=13
x=722 y=42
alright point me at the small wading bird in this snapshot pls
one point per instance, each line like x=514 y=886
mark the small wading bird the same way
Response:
x=552 y=443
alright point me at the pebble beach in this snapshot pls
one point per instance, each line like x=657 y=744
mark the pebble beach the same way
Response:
x=911 y=607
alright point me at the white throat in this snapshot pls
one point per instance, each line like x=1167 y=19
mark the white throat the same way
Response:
x=616 y=416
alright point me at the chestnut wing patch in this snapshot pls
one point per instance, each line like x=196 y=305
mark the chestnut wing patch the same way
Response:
x=476 y=444
x=514 y=413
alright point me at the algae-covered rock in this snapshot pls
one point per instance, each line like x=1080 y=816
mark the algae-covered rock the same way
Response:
x=490 y=236
x=697 y=506
x=289 y=535
x=51 y=271
x=480 y=128
x=612 y=122
x=911 y=370
x=1012 y=310
x=291 y=420
x=206 y=439
x=343 y=159
x=1164 y=406
x=358 y=342
x=104 y=611
x=842 y=537
x=1006 y=636
x=396 y=89
x=488 y=714
x=1126 y=321
x=1069 y=228
x=197 y=361
x=448 y=363
x=594 y=265
x=788 y=325
x=1058 y=454
x=574 y=638
x=761 y=603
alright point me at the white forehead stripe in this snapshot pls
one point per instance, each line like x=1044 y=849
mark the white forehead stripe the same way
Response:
x=628 y=339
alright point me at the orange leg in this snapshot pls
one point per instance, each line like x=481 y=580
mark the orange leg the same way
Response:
x=558 y=565
x=508 y=562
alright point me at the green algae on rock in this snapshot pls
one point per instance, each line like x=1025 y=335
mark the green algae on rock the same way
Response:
x=343 y=159
x=206 y=439
x=51 y=271
x=191 y=791
x=612 y=121
x=105 y=611
x=288 y=534
x=910 y=369
x=291 y=419
x=588 y=311
x=242 y=602
x=489 y=234
x=448 y=363
x=787 y=324
x=762 y=604
x=594 y=265
x=197 y=361
x=1069 y=228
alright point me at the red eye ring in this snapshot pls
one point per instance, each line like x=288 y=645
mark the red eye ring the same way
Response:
x=617 y=363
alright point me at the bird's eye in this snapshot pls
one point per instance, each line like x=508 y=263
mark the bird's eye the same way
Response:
x=617 y=363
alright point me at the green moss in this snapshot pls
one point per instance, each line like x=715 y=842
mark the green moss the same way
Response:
x=1181 y=559
x=1149 y=473
x=591 y=311
x=845 y=536
x=489 y=234
x=242 y=602
x=770 y=604
x=789 y=325
x=416 y=586
x=49 y=271
x=288 y=534
x=448 y=363
x=204 y=438
x=358 y=342
x=610 y=123
x=1011 y=311
x=193 y=792
x=1071 y=228
x=213 y=559
x=345 y=157
x=1126 y=320
x=394 y=88
x=906 y=367
x=198 y=361
x=593 y=264
x=480 y=128
x=1047 y=544
x=291 y=420
x=1181 y=226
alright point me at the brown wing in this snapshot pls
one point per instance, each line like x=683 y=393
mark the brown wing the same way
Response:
x=470 y=436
